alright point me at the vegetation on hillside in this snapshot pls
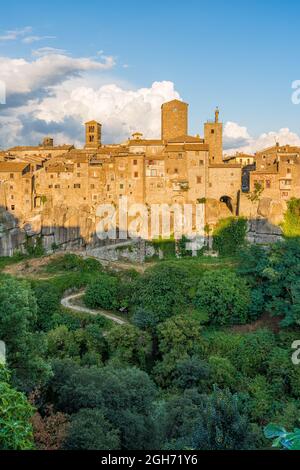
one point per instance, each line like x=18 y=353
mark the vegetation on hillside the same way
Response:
x=186 y=371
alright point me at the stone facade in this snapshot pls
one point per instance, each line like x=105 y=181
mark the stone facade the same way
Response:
x=54 y=191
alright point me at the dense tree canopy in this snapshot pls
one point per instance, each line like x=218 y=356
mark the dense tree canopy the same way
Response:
x=225 y=297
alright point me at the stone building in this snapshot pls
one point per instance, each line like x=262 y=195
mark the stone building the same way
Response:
x=56 y=189
x=278 y=172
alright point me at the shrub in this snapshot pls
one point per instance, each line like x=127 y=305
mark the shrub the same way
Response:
x=229 y=235
x=291 y=223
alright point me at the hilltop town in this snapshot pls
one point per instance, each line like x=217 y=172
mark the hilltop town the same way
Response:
x=54 y=190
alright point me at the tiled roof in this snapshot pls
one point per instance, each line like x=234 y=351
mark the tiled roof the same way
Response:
x=13 y=166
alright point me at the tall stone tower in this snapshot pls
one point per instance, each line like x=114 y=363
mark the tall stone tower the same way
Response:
x=92 y=134
x=213 y=136
x=174 y=119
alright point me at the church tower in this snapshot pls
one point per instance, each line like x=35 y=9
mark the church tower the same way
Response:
x=213 y=136
x=92 y=134
x=174 y=119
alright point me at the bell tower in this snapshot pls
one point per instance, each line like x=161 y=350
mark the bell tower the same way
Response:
x=92 y=134
x=213 y=136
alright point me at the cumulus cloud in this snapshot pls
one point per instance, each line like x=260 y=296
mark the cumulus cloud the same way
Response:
x=26 y=80
x=54 y=93
x=235 y=136
x=238 y=139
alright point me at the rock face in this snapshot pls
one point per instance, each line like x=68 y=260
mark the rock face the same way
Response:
x=262 y=231
x=11 y=237
x=68 y=228
x=215 y=210
x=272 y=210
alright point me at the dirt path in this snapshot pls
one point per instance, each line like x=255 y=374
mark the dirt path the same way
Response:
x=68 y=302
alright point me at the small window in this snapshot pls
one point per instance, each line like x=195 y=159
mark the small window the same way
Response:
x=77 y=186
x=57 y=186
x=210 y=185
x=288 y=170
x=107 y=187
x=12 y=207
x=12 y=196
x=11 y=176
x=199 y=179
x=92 y=186
x=268 y=184
x=78 y=165
x=136 y=174
x=176 y=170
x=212 y=131
x=135 y=162
x=201 y=162
x=78 y=175
x=121 y=186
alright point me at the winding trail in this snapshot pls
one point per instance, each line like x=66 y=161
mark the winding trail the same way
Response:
x=67 y=302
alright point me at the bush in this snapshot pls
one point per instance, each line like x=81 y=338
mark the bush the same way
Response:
x=229 y=235
x=291 y=223
x=224 y=296
x=71 y=262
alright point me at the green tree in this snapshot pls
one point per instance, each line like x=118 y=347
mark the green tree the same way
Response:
x=178 y=337
x=15 y=415
x=191 y=372
x=221 y=425
x=103 y=293
x=253 y=352
x=25 y=347
x=90 y=430
x=18 y=313
x=129 y=345
x=163 y=290
x=47 y=297
x=126 y=396
x=225 y=297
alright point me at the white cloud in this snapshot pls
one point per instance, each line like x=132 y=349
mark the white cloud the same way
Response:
x=54 y=93
x=31 y=39
x=48 y=50
x=121 y=111
x=14 y=34
x=238 y=139
x=50 y=68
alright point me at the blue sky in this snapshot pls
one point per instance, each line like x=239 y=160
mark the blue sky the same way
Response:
x=240 y=55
